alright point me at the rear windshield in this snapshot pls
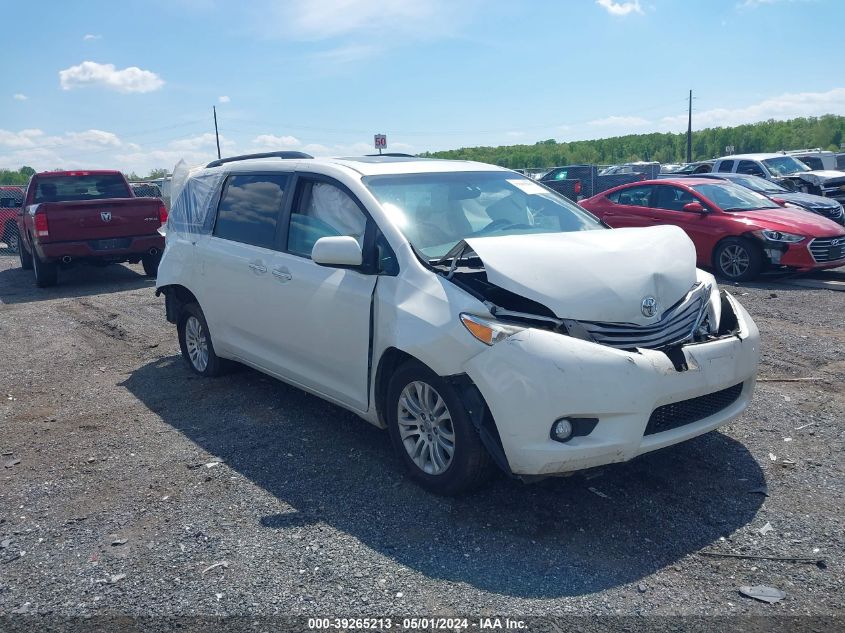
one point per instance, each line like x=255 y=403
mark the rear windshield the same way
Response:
x=72 y=188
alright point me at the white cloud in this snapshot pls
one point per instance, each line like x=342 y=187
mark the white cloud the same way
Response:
x=206 y=140
x=347 y=54
x=223 y=99
x=19 y=97
x=619 y=121
x=89 y=37
x=24 y=138
x=132 y=79
x=620 y=8
x=782 y=107
x=92 y=137
x=269 y=140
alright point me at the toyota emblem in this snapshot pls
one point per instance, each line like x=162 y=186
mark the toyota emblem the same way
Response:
x=649 y=307
x=105 y=216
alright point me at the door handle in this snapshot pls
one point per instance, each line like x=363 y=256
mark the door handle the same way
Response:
x=258 y=268
x=282 y=275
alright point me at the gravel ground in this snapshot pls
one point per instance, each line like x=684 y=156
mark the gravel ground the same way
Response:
x=114 y=499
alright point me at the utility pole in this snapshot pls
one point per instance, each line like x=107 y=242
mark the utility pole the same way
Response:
x=216 y=135
x=689 y=130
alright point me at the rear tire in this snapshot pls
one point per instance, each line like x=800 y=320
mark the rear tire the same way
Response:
x=46 y=274
x=25 y=256
x=737 y=259
x=150 y=264
x=433 y=434
x=195 y=342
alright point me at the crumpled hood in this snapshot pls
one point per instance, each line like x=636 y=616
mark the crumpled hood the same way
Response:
x=819 y=175
x=600 y=275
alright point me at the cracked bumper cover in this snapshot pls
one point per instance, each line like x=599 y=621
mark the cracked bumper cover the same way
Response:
x=537 y=376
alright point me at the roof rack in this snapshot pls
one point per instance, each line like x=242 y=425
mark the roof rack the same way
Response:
x=393 y=155
x=282 y=155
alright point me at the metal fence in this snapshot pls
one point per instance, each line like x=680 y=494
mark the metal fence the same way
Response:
x=11 y=199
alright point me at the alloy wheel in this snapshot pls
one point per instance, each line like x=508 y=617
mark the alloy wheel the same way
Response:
x=197 y=343
x=734 y=260
x=425 y=427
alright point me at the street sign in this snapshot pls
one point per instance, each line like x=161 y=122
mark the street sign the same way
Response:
x=380 y=141
x=729 y=149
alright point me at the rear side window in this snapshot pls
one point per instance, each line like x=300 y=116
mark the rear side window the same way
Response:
x=813 y=162
x=750 y=167
x=77 y=188
x=726 y=166
x=249 y=209
x=634 y=196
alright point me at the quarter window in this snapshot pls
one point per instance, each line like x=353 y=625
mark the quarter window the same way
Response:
x=633 y=196
x=323 y=210
x=249 y=209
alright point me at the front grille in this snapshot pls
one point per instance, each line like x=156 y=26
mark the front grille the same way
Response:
x=828 y=249
x=828 y=212
x=677 y=414
x=678 y=324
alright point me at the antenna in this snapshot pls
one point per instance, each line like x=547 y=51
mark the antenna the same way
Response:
x=216 y=135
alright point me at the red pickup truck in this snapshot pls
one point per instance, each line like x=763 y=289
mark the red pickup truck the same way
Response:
x=71 y=217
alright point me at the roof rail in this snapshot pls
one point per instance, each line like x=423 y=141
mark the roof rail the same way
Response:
x=393 y=155
x=282 y=155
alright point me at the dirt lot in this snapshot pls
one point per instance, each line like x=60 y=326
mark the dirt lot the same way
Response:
x=111 y=500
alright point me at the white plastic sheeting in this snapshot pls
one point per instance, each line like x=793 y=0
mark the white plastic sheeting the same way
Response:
x=193 y=198
x=338 y=210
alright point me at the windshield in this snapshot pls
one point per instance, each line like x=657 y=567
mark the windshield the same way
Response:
x=760 y=185
x=436 y=211
x=730 y=197
x=785 y=165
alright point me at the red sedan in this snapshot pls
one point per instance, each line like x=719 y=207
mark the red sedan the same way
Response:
x=735 y=230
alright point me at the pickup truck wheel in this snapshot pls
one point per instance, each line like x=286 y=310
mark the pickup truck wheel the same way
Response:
x=432 y=433
x=737 y=259
x=46 y=274
x=150 y=264
x=25 y=256
x=195 y=342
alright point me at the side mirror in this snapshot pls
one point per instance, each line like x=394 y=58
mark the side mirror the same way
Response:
x=342 y=251
x=694 y=207
x=779 y=201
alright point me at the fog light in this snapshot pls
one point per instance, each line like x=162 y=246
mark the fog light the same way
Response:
x=562 y=430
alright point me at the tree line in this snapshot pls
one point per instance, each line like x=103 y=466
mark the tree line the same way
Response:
x=22 y=175
x=825 y=132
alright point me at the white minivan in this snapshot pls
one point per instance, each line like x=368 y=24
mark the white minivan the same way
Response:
x=480 y=317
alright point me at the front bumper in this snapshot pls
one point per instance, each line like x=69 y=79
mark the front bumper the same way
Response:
x=797 y=256
x=535 y=377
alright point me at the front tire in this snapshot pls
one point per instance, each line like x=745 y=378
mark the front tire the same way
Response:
x=432 y=433
x=195 y=342
x=737 y=259
x=46 y=274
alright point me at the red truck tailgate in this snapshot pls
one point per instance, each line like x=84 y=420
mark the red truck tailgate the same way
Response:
x=100 y=219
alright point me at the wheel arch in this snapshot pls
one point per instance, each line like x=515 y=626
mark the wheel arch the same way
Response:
x=476 y=407
x=175 y=297
x=748 y=236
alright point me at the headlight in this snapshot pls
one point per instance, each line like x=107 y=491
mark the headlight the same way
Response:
x=779 y=236
x=488 y=331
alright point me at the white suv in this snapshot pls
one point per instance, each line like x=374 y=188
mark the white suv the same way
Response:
x=477 y=315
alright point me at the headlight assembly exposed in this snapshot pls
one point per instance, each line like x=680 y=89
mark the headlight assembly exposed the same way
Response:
x=488 y=331
x=780 y=236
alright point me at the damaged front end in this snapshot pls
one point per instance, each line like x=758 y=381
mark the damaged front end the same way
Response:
x=703 y=314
